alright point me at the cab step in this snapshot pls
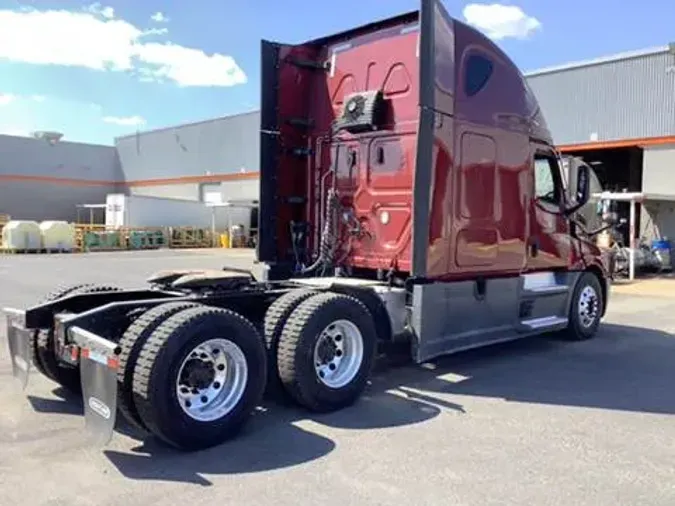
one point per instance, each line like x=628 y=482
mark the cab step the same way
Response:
x=543 y=291
x=544 y=323
x=541 y=284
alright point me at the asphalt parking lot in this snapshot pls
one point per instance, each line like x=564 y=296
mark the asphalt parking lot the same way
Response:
x=535 y=422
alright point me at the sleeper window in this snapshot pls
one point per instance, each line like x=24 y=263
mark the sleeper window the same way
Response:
x=477 y=73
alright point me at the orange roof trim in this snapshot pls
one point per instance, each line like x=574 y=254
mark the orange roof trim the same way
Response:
x=64 y=181
x=623 y=143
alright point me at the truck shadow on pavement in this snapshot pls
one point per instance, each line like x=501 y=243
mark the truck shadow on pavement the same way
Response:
x=624 y=368
x=278 y=436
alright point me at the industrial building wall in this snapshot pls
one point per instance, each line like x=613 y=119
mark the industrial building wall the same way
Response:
x=658 y=172
x=658 y=180
x=175 y=162
x=189 y=191
x=39 y=181
x=631 y=98
x=241 y=190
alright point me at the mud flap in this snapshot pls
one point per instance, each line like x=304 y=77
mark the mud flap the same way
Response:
x=18 y=339
x=98 y=368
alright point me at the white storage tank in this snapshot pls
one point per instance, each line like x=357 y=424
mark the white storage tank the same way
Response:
x=58 y=235
x=21 y=235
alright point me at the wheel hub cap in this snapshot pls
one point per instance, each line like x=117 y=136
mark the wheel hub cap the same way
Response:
x=338 y=353
x=588 y=307
x=211 y=380
x=198 y=374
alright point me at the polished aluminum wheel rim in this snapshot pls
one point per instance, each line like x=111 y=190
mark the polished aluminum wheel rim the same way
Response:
x=211 y=380
x=588 y=306
x=338 y=353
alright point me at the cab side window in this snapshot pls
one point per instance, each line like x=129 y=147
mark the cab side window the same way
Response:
x=477 y=72
x=546 y=179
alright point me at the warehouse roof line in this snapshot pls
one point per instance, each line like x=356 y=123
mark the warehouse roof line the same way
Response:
x=597 y=61
x=183 y=125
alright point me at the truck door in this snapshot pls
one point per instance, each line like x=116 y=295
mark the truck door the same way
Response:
x=549 y=244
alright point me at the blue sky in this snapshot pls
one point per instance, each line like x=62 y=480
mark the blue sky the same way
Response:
x=96 y=71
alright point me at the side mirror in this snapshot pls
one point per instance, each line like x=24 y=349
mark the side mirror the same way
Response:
x=583 y=189
x=583 y=185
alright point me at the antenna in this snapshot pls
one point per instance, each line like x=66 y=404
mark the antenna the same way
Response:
x=48 y=136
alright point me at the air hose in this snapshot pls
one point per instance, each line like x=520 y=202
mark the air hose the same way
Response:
x=329 y=236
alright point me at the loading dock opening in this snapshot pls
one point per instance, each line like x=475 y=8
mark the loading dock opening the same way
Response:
x=619 y=170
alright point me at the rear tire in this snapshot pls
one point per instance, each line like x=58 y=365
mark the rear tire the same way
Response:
x=164 y=397
x=131 y=343
x=586 y=308
x=275 y=318
x=326 y=351
x=45 y=352
x=53 y=295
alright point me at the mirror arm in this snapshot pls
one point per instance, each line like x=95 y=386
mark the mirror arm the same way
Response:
x=573 y=209
x=591 y=233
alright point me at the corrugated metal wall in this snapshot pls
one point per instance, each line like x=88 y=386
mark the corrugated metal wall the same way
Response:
x=625 y=99
x=219 y=146
x=39 y=181
x=658 y=178
x=658 y=173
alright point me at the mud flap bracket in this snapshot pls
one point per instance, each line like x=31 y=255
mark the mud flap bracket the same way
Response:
x=99 y=361
x=18 y=340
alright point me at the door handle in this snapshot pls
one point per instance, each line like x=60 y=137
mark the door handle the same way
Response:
x=534 y=246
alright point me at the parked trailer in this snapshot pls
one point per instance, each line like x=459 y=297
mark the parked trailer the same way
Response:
x=410 y=192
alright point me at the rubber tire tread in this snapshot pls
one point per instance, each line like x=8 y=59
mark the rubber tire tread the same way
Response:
x=275 y=319
x=130 y=344
x=295 y=353
x=67 y=377
x=158 y=361
x=575 y=331
x=53 y=295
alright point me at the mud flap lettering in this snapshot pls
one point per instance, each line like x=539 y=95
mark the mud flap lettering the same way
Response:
x=98 y=369
x=18 y=339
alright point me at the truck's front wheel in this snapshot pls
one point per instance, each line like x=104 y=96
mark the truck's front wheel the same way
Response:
x=199 y=376
x=586 y=308
x=326 y=351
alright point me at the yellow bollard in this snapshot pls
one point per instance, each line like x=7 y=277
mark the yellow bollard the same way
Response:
x=225 y=240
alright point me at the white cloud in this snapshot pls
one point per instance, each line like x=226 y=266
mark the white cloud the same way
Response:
x=499 y=21
x=159 y=17
x=38 y=98
x=105 y=12
x=6 y=99
x=97 y=40
x=14 y=131
x=125 y=120
x=191 y=67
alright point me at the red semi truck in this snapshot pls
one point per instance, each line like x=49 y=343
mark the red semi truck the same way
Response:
x=410 y=193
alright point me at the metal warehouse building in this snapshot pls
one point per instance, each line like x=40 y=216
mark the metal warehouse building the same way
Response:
x=616 y=112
